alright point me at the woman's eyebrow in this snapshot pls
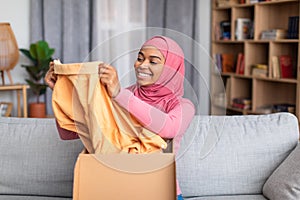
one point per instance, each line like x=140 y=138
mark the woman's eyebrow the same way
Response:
x=151 y=56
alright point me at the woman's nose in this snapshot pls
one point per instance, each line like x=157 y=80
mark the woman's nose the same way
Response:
x=144 y=65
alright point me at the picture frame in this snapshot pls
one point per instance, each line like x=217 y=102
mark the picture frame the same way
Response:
x=5 y=109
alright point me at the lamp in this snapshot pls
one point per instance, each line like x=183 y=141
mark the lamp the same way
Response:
x=9 y=51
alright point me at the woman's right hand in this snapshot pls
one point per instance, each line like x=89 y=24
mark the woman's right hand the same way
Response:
x=51 y=77
x=109 y=77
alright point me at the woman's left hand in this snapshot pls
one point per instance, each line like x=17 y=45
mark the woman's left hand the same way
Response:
x=109 y=77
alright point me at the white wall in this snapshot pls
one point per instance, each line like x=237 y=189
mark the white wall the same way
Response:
x=203 y=36
x=16 y=12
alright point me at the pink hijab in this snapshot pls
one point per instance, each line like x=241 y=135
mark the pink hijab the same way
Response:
x=166 y=92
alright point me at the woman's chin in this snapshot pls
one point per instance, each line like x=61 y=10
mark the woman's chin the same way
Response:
x=143 y=83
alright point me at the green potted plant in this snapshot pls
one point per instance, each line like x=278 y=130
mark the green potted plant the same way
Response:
x=40 y=55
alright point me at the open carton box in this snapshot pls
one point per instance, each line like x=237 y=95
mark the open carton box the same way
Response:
x=125 y=176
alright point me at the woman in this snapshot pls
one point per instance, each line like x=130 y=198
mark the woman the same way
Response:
x=156 y=100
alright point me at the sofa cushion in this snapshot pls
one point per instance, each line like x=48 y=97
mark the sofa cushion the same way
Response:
x=284 y=183
x=227 y=155
x=34 y=160
x=13 y=197
x=229 y=197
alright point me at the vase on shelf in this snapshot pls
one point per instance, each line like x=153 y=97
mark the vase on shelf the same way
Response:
x=37 y=110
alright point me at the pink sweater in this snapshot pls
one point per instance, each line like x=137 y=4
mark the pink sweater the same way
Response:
x=167 y=125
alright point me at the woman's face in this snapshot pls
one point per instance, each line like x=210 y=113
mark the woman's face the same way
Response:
x=148 y=65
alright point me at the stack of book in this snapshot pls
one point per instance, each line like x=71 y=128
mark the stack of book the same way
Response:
x=242 y=103
x=274 y=34
x=260 y=70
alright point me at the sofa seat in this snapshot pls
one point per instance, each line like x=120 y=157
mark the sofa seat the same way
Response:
x=24 y=197
x=229 y=197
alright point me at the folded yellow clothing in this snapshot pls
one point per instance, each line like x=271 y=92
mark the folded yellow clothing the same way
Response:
x=81 y=104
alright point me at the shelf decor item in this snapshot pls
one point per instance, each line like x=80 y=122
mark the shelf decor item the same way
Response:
x=5 y=109
x=243 y=28
x=9 y=52
x=40 y=55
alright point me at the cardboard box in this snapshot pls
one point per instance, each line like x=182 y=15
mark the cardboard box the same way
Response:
x=125 y=176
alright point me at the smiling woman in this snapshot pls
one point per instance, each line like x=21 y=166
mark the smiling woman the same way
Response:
x=156 y=99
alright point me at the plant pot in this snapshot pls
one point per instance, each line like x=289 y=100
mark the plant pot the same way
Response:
x=37 y=110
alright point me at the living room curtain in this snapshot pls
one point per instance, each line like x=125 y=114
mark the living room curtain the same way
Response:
x=67 y=25
x=117 y=35
x=87 y=30
x=187 y=19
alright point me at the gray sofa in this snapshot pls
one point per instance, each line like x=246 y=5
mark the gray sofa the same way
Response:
x=221 y=157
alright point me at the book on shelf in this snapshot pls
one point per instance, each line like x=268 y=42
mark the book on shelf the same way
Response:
x=243 y=28
x=274 y=34
x=242 y=69
x=286 y=66
x=218 y=62
x=293 y=27
x=217 y=31
x=275 y=67
x=228 y=62
x=238 y=68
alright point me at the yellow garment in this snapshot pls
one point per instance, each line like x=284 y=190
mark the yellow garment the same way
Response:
x=81 y=104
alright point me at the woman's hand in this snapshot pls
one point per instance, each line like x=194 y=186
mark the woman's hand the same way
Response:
x=51 y=77
x=109 y=77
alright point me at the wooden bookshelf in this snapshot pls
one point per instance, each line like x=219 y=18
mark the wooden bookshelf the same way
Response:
x=263 y=91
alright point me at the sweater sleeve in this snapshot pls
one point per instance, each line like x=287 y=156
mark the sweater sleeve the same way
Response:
x=167 y=125
x=66 y=134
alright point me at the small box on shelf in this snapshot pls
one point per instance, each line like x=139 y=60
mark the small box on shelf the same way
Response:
x=225 y=29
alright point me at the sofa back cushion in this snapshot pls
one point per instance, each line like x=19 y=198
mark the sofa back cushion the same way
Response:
x=34 y=160
x=222 y=155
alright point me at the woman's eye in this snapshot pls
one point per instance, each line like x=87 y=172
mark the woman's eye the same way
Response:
x=139 y=59
x=153 y=62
